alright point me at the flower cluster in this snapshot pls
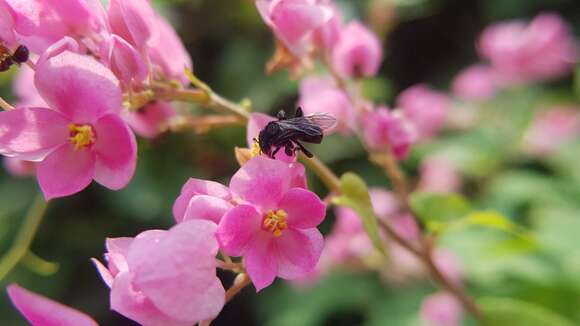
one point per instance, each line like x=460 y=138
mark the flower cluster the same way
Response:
x=87 y=61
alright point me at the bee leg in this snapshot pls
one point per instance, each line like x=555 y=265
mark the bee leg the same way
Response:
x=304 y=150
x=276 y=151
x=289 y=149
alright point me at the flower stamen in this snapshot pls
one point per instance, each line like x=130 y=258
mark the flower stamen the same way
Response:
x=275 y=222
x=81 y=136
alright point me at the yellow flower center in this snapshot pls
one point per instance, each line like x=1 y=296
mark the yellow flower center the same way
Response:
x=275 y=222
x=255 y=150
x=81 y=136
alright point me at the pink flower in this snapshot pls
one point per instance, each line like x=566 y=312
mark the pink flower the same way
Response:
x=7 y=16
x=294 y=21
x=449 y=264
x=520 y=52
x=169 y=54
x=442 y=309
x=148 y=121
x=135 y=21
x=165 y=278
x=19 y=168
x=274 y=227
x=81 y=137
x=438 y=174
x=25 y=90
x=551 y=129
x=201 y=199
x=320 y=95
x=41 y=311
x=124 y=61
x=383 y=128
x=327 y=35
x=477 y=82
x=256 y=123
x=425 y=108
x=358 y=53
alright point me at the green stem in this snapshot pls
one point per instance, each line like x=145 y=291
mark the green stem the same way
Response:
x=24 y=237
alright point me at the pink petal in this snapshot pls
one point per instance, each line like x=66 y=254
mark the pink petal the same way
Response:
x=117 y=250
x=206 y=208
x=358 y=53
x=237 y=228
x=19 y=168
x=295 y=20
x=76 y=15
x=116 y=152
x=65 y=171
x=256 y=123
x=442 y=309
x=65 y=44
x=180 y=276
x=106 y=276
x=41 y=311
x=298 y=174
x=198 y=187
x=124 y=60
x=261 y=261
x=147 y=121
x=305 y=210
x=31 y=133
x=169 y=53
x=262 y=181
x=298 y=252
x=136 y=306
x=78 y=86
x=7 y=24
x=134 y=21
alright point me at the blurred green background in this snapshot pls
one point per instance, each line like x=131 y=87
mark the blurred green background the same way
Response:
x=430 y=41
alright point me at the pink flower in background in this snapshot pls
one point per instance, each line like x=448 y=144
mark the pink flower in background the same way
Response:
x=477 y=83
x=441 y=309
x=425 y=108
x=19 y=168
x=124 y=61
x=383 y=128
x=169 y=54
x=320 y=95
x=201 y=199
x=520 y=52
x=81 y=137
x=274 y=226
x=25 y=90
x=294 y=21
x=449 y=264
x=41 y=311
x=438 y=174
x=135 y=21
x=148 y=121
x=327 y=35
x=165 y=278
x=358 y=53
x=550 y=129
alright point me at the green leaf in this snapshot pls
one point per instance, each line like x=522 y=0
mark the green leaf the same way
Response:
x=504 y=311
x=437 y=209
x=355 y=194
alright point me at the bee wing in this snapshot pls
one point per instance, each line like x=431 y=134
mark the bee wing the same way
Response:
x=324 y=120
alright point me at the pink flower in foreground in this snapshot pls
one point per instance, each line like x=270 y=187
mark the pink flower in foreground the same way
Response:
x=383 y=128
x=165 y=278
x=7 y=16
x=359 y=52
x=320 y=95
x=25 y=90
x=19 y=168
x=81 y=137
x=441 y=309
x=148 y=121
x=294 y=21
x=123 y=60
x=274 y=227
x=41 y=311
x=168 y=53
x=477 y=82
x=438 y=174
x=327 y=35
x=425 y=108
x=201 y=199
x=551 y=129
x=135 y=21
x=521 y=52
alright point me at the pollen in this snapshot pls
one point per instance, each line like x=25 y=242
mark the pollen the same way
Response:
x=81 y=136
x=275 y=222
x=255 y=150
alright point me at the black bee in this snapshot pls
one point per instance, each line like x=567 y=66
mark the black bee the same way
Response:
x=287 y=133
x=8 y=59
